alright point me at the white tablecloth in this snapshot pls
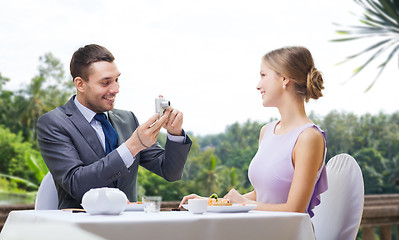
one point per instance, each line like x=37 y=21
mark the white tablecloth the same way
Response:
x=57 y=224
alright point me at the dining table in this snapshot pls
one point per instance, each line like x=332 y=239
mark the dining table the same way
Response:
x=163 y=225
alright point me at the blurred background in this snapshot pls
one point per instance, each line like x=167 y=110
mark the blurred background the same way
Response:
x=204 y=56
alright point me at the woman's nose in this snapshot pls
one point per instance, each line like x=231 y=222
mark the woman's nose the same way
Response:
x=258 y=85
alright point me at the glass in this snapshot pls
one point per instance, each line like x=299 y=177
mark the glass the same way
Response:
x=152 y=204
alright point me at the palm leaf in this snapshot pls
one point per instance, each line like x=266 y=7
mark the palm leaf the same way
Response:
x=376 y=54
x=380 y=19
x=382 y=66
x=27 y=182
x=367 y=50
x=388 y=7
x=375 y=10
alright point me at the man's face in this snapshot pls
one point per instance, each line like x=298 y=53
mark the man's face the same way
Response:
x=99 y=91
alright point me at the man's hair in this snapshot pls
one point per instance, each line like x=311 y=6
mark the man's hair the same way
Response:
x=85 y=56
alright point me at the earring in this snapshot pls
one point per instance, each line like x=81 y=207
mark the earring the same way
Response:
x=284 y=86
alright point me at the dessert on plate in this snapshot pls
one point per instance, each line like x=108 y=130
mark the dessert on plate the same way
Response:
x=214 y=200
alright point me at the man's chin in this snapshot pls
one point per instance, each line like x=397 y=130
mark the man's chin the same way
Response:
x=105 y=109
x=108 y=106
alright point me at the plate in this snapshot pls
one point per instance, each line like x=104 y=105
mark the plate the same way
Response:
x=135 y=207
x=235 y=208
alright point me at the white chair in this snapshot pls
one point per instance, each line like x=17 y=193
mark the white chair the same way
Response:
x=47 y=196
x=340 y=211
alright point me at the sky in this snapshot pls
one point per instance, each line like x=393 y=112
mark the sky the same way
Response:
x=203 y=56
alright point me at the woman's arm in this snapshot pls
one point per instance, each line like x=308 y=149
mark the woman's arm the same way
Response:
x=251 y=196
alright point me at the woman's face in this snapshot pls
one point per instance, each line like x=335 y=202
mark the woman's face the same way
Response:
x=270 y=86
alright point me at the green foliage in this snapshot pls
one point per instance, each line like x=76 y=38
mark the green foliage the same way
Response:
x=374 y=143
x=236 y=144
x=373 y=167
x=19 y=162
x=20 y=110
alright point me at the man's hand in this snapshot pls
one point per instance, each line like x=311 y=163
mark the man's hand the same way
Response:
x=174 y=122
x=146 y=134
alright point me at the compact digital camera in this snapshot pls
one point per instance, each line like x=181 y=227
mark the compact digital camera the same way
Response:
x=161 y=104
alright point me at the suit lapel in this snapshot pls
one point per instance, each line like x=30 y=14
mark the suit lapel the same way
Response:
x=84 y=127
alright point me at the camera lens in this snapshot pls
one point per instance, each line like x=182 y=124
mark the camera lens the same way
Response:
x=165 y=104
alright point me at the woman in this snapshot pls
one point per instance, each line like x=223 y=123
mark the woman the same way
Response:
x=288 y=171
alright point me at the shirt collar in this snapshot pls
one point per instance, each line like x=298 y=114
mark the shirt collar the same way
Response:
x=87 y=113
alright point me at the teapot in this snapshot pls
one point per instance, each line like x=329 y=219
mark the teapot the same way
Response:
x=106 y=201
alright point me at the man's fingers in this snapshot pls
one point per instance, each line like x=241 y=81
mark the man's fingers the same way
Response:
x=156 y=127
x=150 y=121
x=178 y=121
x=175 y=118
x=172 y=117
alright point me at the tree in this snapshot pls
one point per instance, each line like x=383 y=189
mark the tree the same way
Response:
x=342 y=133
x=373 y=167
x=237 y=146
x=46 y=91
x=381 y=21
x=8 y=107
x=19 y=110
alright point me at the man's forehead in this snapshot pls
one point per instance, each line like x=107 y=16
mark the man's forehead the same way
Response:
x=104 y=70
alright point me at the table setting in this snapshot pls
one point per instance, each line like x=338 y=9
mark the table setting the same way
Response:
x=107 y=214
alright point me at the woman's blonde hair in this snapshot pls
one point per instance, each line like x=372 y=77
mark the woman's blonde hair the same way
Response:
x=296 y=64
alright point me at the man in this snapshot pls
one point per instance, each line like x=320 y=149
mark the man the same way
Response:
x=83 y=151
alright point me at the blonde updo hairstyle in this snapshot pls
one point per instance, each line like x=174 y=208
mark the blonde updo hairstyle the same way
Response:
x=296 y=64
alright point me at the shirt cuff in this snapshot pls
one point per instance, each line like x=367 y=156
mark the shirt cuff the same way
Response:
x=178 y=139
x=125 y=154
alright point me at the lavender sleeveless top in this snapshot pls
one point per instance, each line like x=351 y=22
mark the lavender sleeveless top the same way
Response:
x=271 y=170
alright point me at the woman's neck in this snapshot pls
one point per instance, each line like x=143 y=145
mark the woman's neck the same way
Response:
x=292 y=115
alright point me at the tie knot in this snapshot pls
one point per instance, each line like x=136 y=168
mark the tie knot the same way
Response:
x=100 y=117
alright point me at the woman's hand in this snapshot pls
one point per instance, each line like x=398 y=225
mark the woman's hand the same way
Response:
x=185 y=198
x=235 y=197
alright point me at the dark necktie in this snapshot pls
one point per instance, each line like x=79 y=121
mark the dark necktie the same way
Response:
x=111 y=136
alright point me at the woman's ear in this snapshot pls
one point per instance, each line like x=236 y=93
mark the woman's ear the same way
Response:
x=286 y=81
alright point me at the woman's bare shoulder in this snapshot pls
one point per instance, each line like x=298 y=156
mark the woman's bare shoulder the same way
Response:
x=311 y=135
x=262 y=131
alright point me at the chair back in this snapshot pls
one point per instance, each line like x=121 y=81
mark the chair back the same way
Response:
x=47 y=196
x=340 y=211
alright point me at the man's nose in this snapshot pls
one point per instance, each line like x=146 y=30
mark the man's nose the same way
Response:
x=115 y=87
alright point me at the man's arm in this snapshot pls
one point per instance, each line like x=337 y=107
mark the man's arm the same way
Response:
x=168 y=163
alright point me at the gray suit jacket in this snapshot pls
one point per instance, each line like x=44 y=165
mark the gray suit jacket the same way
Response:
x=74 y=155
